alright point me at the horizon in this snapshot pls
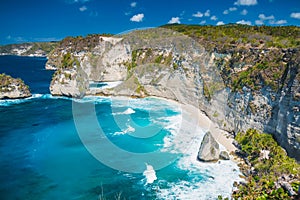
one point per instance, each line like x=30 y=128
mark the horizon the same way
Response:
x=41 y=21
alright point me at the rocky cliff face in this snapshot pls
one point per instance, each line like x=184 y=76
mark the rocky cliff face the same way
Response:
x=239 y=89
x=12 y=88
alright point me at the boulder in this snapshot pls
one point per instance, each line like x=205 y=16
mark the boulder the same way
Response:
x=224 y=155
x=209 y=149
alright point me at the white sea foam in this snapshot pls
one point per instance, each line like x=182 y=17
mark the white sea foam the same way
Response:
x=8 y=102
x=128 y=111
x=146 y=104
x=207 y=180
x=129 y=129
x=150 y=174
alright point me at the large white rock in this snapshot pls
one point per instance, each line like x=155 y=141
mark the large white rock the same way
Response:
x=209 y=150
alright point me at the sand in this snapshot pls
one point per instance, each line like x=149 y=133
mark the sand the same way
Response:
x=221 y=136
x=194 y=119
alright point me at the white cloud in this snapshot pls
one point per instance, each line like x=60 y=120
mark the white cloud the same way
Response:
x=198 y=14
x=214 y=18
x=295 y=15
x=246 y=2
x=244 y=12
x=203 y=22
x=225 y=12
x=137 y=18
x=220 y=23
x=174 y=20
x=259 y=22
x=264 y=17
x=244 y=22
x=83 y=8
x=270 y=19
x=207 y=13
x=279 y=22
x=133 y=4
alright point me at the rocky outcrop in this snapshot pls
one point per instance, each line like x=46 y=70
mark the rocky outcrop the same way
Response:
x=12 y=88
x=160 y=62
x=224 y=155
x=70 y=83
x=209 y=150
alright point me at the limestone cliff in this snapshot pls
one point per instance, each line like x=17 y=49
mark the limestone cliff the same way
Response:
x=240 y=88
x=12 y=88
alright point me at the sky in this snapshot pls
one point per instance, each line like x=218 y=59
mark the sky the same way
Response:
x=51 y=20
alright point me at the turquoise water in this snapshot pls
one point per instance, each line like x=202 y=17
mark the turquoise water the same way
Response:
x=57 y=148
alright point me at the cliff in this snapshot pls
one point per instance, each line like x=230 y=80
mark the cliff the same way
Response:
x=39 y=49
x=239 y=83
x=12 y=88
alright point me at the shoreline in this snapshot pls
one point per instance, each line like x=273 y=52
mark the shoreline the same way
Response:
x=204 y=122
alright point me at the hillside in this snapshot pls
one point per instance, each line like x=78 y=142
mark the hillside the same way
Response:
x=28 y=49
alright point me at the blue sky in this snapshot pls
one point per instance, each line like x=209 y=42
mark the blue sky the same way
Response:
x=44 y=20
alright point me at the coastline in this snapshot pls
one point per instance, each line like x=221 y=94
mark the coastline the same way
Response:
x=204 y=122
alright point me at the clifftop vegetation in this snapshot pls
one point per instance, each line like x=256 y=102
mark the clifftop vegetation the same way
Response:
x=260 y=56
x=223 y=38
x=80 y=43
x=13 y=87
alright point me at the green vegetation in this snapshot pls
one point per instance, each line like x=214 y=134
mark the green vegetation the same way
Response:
x=68 y=61
x=225 y=37
x=80 y=43
x=8 y=83
x=259 y=55
x=140 y=88
x=261 y=183
x=36 y=47
x=267 y=71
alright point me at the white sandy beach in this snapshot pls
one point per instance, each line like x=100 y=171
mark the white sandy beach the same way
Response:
x=221 y=136
x=193 y=119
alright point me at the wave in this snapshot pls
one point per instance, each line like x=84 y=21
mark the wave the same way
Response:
x=150 y=174
x=146 y=104
x=9 y=102
x=128 y=111
x=87 y=99
x=130 y=129
x=206 y=180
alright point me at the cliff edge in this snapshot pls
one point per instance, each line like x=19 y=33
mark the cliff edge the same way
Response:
x=239 y=83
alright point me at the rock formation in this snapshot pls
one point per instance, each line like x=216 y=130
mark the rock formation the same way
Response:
x=12 y=88
x=209 y=149
x=160 y=62
x=224 y=155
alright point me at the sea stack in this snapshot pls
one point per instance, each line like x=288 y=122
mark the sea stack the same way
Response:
x=13 y=88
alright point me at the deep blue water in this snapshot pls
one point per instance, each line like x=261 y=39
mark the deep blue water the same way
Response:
x=30 y=69
x=56 y=148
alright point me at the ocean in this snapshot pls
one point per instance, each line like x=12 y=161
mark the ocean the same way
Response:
x=99 y=147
